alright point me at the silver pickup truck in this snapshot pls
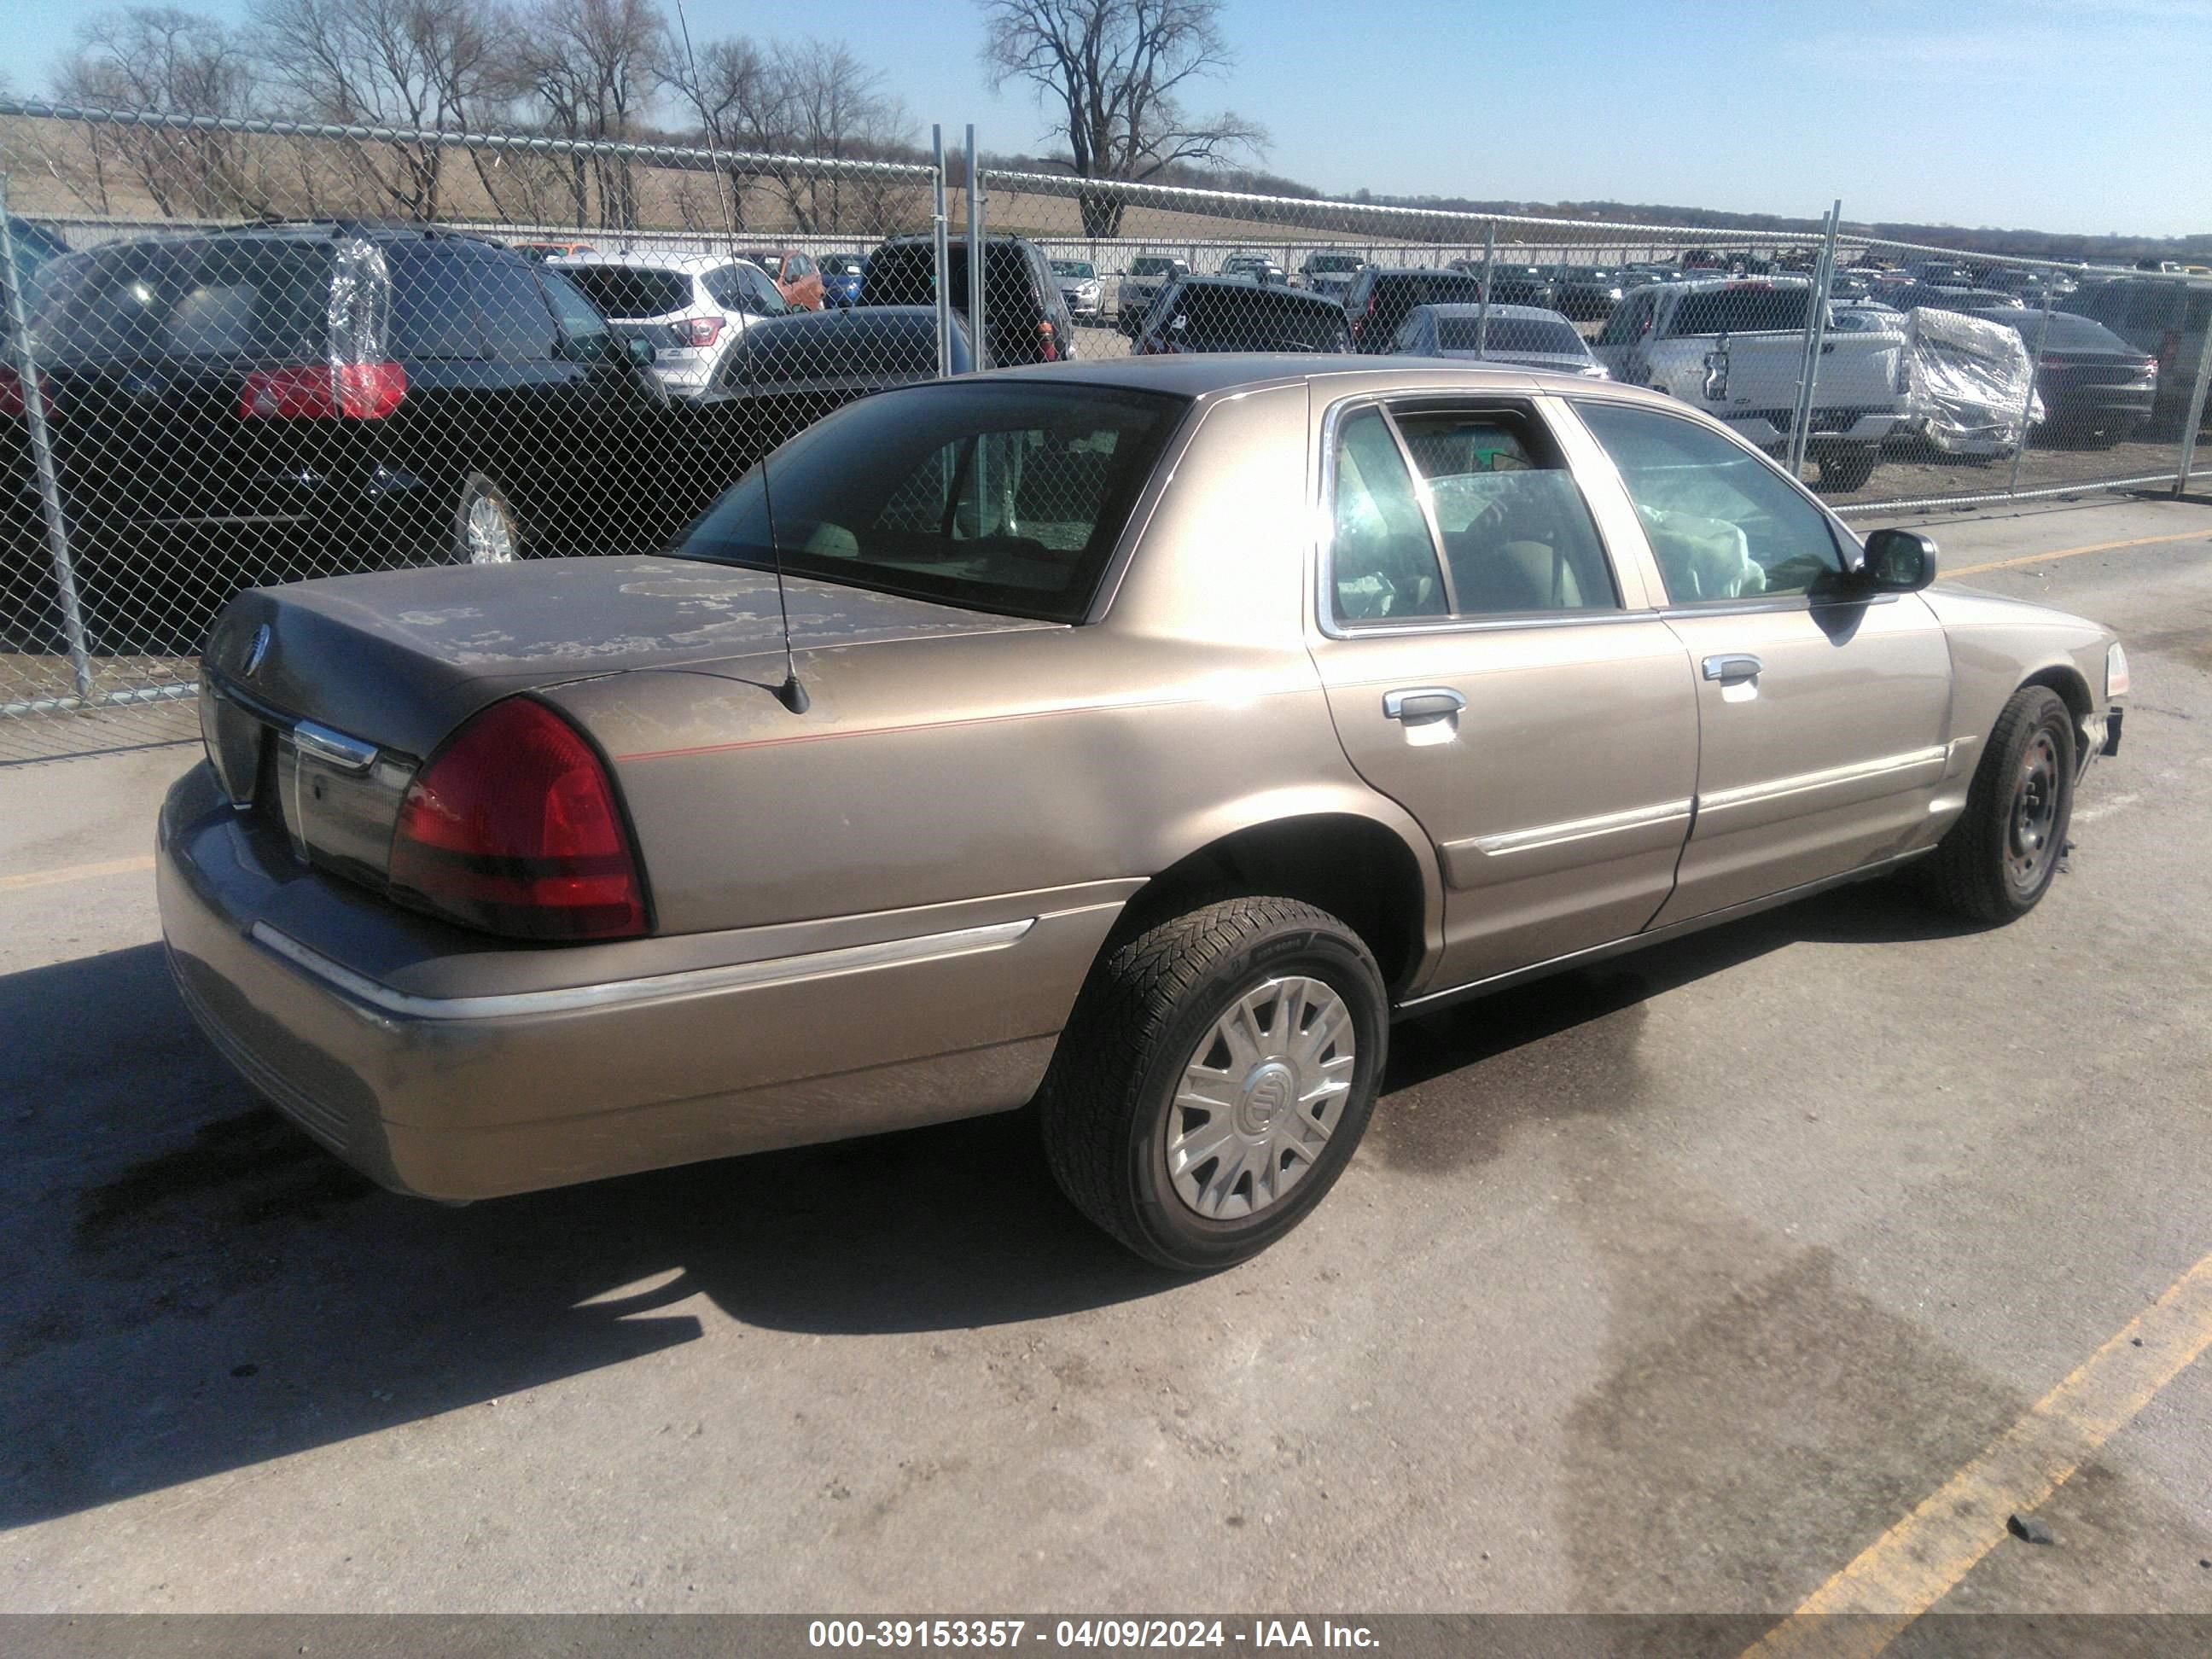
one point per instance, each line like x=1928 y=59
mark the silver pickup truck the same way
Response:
x=1735 y=349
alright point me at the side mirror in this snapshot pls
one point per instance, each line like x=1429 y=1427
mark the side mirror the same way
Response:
x=1899 y=561
x=639 y=349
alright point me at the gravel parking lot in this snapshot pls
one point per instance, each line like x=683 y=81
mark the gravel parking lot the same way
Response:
x=1674 y=1284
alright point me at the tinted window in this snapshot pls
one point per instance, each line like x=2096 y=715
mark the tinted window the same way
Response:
x=757 y=292
x=1722 y=522
x=1511 y=334
x=623 y=292
x=1002 y=497
x=242 y=298
x=433 y=308
x=518 y=324
x=1332 y=262
x=1204 y=317
x=1747 y=310
x=2066 y=332
x=1076 y=267
x=579 y=319
x=878 y=345
x=723 y=289
x=1150 y=266
x=1382 y=564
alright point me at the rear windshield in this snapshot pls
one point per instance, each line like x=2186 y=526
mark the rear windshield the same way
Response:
x=993 y=495
x=627 y=291
x=836 y=345
x=1334 y=262
x=1254 y=320
x=907 y=276
x=1150 y=266
x=2067 y=332
x=1747 y=310
x=1072 y=268
x=1510 y=334
x=199 y=299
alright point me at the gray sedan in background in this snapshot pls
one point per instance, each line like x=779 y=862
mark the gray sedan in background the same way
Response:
x=1527 y=335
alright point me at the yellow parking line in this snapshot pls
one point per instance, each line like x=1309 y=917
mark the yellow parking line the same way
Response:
x=2076 y=552
x=1915 y=1563
x=73 y=872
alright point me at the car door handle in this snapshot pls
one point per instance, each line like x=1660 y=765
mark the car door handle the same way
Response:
x=1733 y=669
x=1427 y=703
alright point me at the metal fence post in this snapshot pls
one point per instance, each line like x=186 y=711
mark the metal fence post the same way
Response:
x=34 y=393
x=2034 y=374
x=975 y=334
x=1816 y=331
x=944 y=272
x=1482 y=317
x=2193 y=416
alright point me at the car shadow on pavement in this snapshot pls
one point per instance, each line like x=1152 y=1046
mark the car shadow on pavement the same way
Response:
x=200 y=1287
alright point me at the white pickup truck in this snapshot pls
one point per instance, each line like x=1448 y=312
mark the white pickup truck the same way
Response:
x=1734 y=348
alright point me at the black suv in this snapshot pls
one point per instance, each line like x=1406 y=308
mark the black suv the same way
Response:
x=283 y=401
x=1379 y=297
x=1235 y=313
x=1026 y=317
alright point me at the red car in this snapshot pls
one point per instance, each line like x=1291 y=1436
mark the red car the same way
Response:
x=796 y=276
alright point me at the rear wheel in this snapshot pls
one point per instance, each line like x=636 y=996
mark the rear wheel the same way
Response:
x=1997 y=861
x=1847 y=469
x=1217 y=1073
x=485 y=528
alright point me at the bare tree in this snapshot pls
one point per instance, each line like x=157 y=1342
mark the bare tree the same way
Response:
x=171 y=62
x=1109 y=74
x=592 y=66
x=425 y=64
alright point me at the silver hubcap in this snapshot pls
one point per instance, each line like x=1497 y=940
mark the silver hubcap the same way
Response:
x=1259 y=1097
x=490 y=533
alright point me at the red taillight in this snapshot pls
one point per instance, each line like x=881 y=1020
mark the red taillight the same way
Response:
x=323 y=391
x=1047 y=346
x=700 y=330
x=12 y=405
x=513 y=827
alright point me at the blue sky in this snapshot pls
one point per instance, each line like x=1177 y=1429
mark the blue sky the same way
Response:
x=2066 y=115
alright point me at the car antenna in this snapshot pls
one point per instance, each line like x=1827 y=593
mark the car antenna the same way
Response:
x=791 y=694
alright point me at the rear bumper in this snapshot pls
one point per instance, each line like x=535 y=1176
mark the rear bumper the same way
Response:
x=304 y=987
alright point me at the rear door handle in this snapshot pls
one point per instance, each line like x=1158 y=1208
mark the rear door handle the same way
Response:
x=1733 y=669
x=1421 y=703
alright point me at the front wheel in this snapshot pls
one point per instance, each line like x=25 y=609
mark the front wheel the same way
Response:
x=485 y=528
x=1997 y=861
x=1217 y=1073
x=1846 y=470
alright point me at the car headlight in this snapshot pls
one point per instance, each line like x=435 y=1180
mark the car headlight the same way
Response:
x=2116 y=672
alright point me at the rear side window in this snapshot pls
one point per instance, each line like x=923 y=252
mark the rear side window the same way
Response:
x=434 y=311
x=631 y=292
x=242 y=299
x=1003 y=496
x=1748 y=310
x=517 y=325
x=1382 y=564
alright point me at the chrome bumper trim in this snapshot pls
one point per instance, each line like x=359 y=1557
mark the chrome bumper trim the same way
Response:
x=741 y=975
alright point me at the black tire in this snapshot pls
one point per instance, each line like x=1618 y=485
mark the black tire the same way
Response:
x=1109 y=1104
x=485 y=504
x=1845 y=469
x=1980 y=869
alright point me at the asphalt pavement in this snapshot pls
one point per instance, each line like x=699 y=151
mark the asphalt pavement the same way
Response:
x=1676 y=1284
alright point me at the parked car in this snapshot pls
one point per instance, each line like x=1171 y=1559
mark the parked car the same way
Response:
x=1236 y=314
x=1843 y=287
x=1865 y=316
x=1586 y=293
x=281 y=401
x=2097 y=388
x=1141 y=283
x=1381 y=295
x=789 y=372
x=794 y=274
x=36 y=248
x=2168 y=320
x=1257 y=266
x=1025 y=316
x=1330 y=273
x=841 y=275
x=1736 y=349
x=540 y=252
x=1515 y=285
x=1112 y=789
x=1912 y=295
x=708 y=300
x=1527 y=335
x=1080 y=287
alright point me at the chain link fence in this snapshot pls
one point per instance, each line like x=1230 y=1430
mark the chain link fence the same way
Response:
x=244 y=352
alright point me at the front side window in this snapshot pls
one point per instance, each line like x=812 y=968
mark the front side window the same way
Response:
x=1723 y=523
x=999 y=497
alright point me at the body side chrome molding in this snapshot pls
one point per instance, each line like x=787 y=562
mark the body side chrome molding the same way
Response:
x=1428 y=1002
x=744 y=976
x=1803 y=782
x=1551 y=835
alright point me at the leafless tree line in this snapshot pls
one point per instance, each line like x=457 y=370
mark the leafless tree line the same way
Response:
x=593 y=70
